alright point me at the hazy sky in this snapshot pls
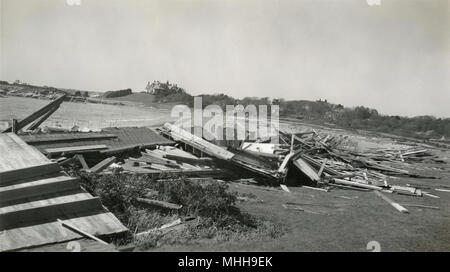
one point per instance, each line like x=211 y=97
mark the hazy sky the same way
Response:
x=394 y=57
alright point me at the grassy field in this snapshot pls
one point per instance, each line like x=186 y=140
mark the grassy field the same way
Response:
x=341 y=220
x=88 y=115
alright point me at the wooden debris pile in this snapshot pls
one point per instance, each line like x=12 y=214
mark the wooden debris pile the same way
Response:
x=165 y=160
x=313 y=159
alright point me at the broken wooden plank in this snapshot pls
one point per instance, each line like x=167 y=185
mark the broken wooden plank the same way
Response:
x=41 y=120
x=40 y=187
x=75 y=149
x=68 y=161
x=422 y=206
x=285 y=188
x=321 y=169
x=198 y=161
x=159 y=203
x=154 y=158
x=442 y=190
x=102 y=165
x=65 y=137
x=394 y=204
x=315 y=188
x=81 y=232
x=42 y=211
x=182 y=135
x=11 y=176
x=27 y=120
x=286 y=160
x=169 y=226
x=357 y=184
x=348 y=187
x=430 y=195
x=81 y=159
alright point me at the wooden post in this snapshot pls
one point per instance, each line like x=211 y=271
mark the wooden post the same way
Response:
x=14 y=126
x=292 y=143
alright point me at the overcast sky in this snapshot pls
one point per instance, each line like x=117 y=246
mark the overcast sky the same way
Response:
x=394 y=57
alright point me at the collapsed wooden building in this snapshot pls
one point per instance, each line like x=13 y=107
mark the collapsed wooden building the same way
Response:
x=38 y=201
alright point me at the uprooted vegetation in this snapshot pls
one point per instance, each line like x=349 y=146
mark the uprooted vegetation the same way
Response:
x=208 y=210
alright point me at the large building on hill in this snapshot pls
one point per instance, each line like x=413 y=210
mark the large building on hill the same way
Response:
x=161 y=88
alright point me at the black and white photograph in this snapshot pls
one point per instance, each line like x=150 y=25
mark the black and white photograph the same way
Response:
x=224 y=128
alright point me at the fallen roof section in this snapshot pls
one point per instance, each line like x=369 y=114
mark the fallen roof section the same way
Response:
x=113 y=138
x=34 y=194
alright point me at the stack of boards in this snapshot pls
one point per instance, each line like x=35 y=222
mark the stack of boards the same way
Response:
x=34 y=194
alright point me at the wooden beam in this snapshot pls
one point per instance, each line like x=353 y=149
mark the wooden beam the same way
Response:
x=65 y=137
x=357 y=184
x=68 y=161
x=11 y=176
x=306 y=169
x=81 y=232
x=81 y=159
x=159 y=203
x=75 y=149
x=27 y=120
x=41 y=120
x=182 y=135
x=38 y=188
x=421 y=206
x=394 y=204
x=200 y=161
x=22 y=215
x=283 y=165
x=102 y=165
x=315 y=188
